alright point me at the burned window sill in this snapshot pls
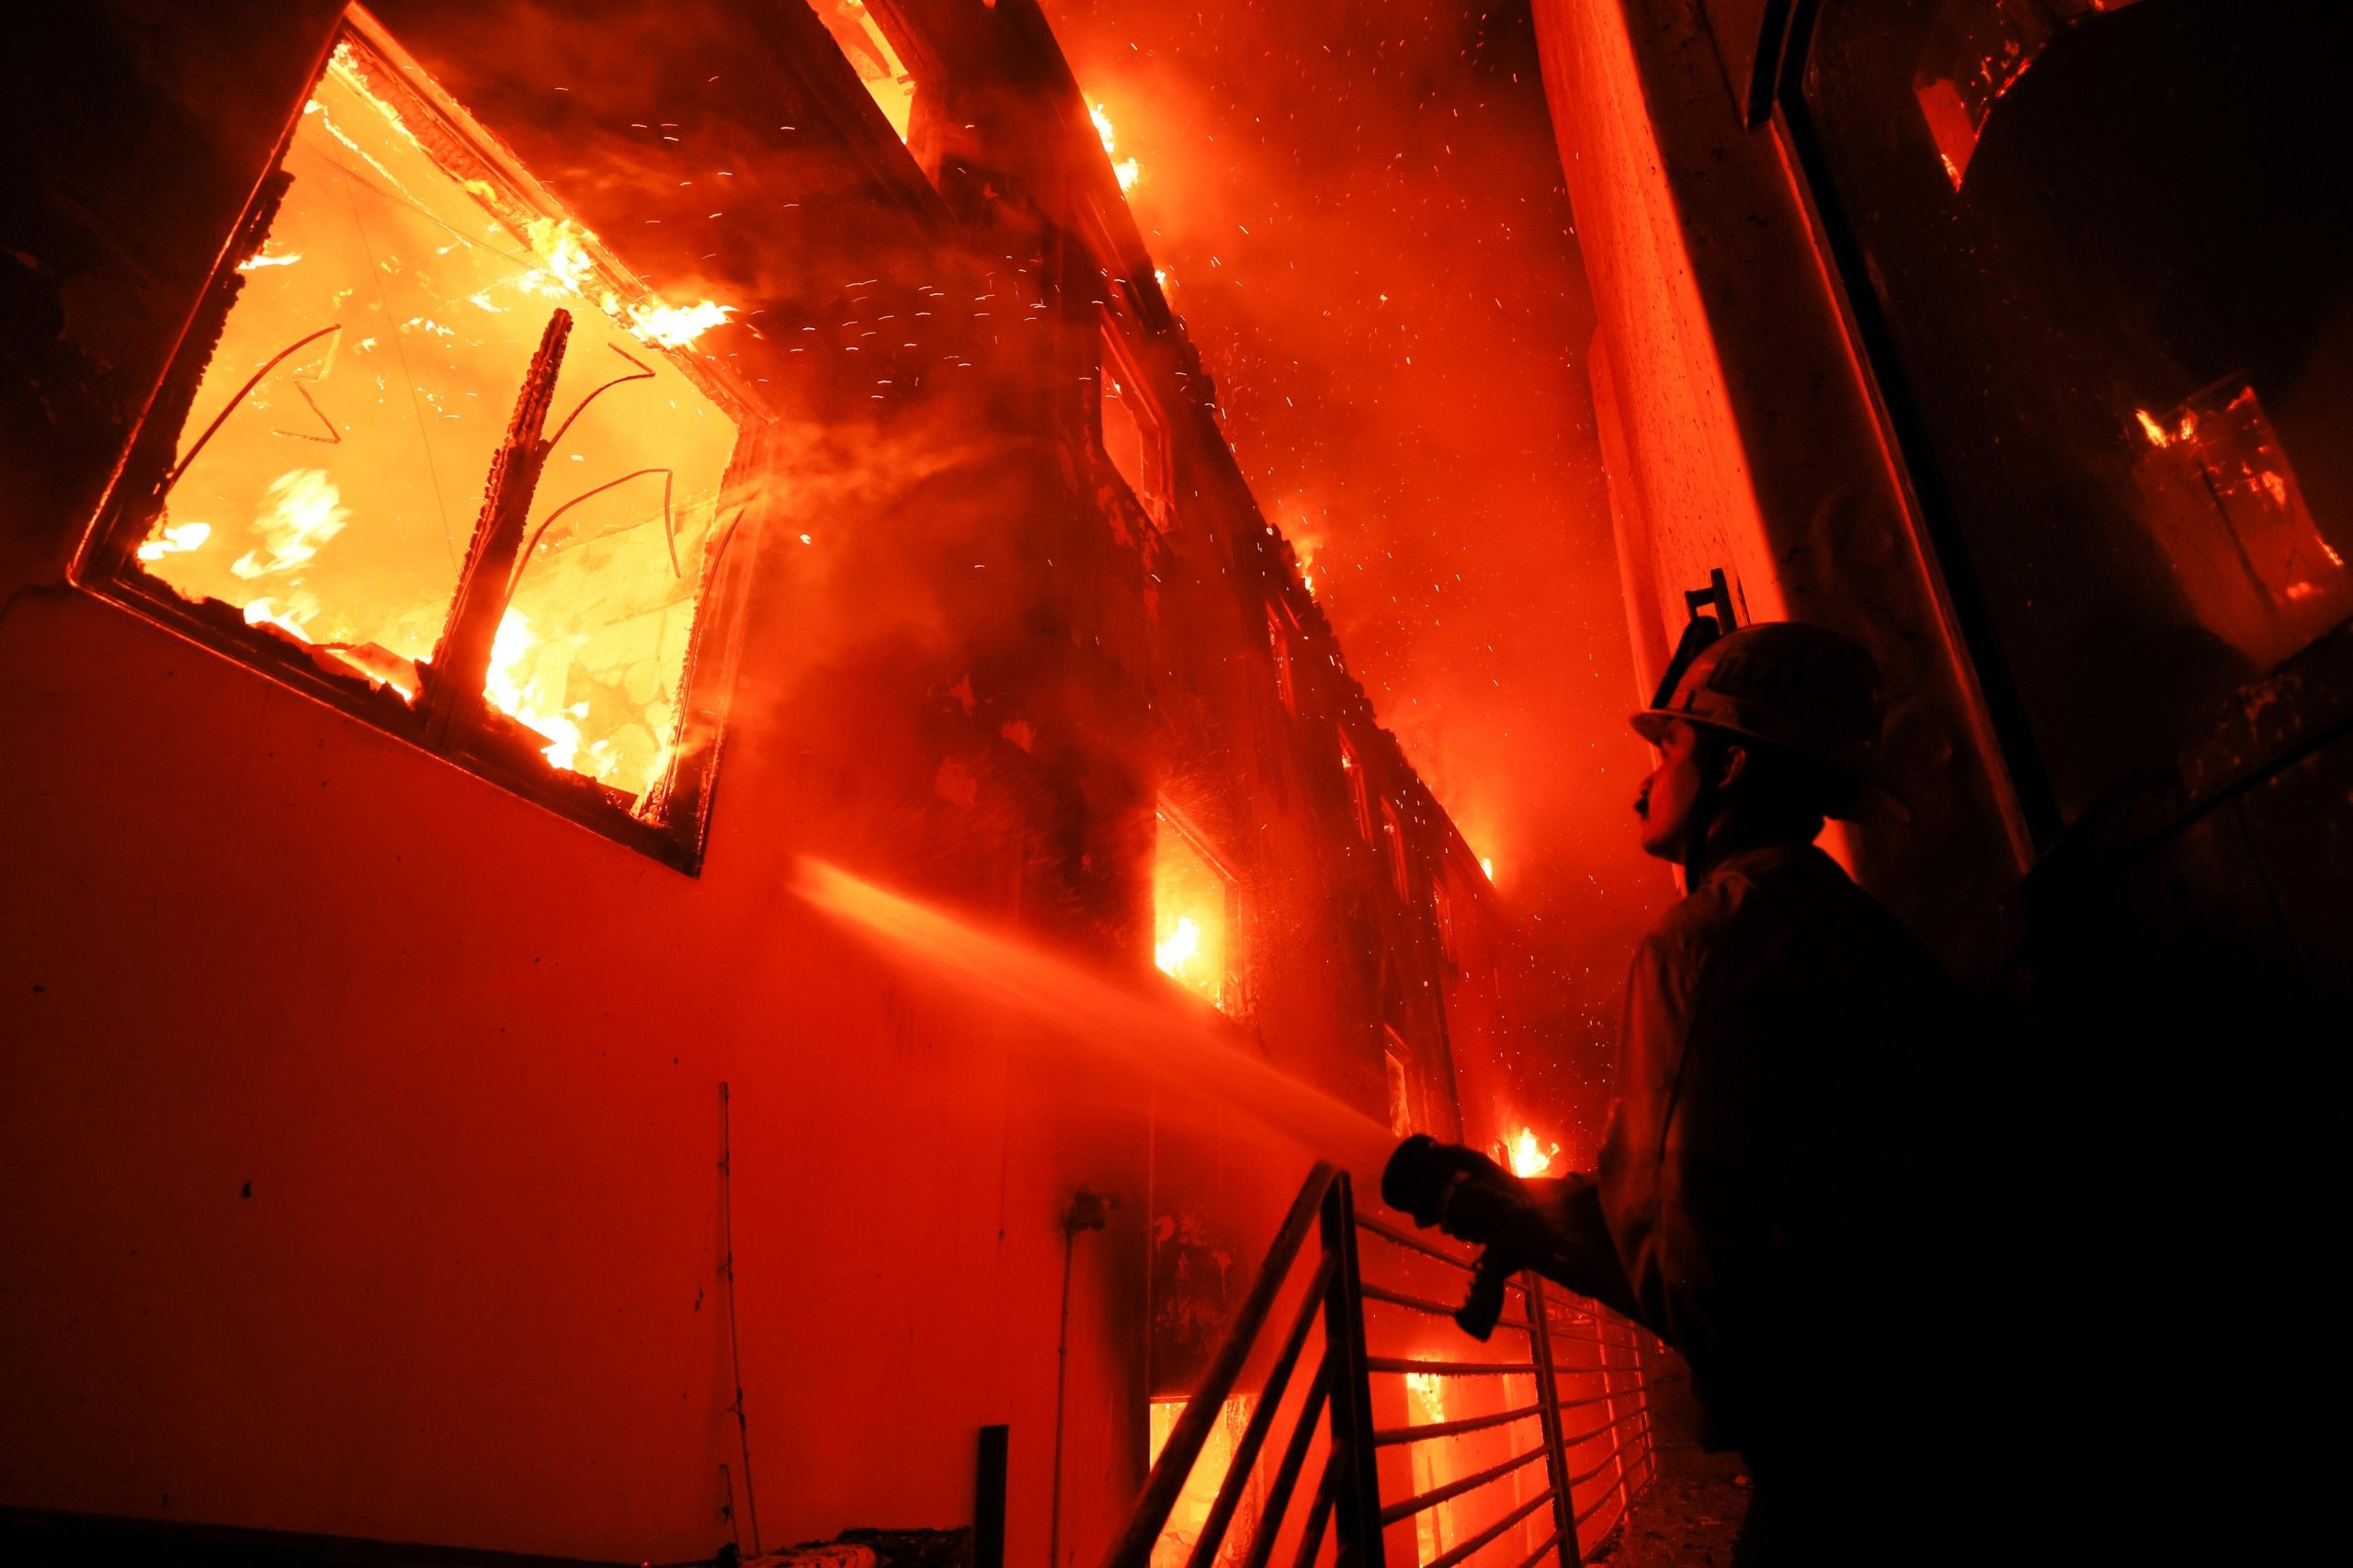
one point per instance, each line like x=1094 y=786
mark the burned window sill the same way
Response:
x=364 y=683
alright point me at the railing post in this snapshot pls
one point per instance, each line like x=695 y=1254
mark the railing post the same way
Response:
x=1610 y=1414
x=1547 y=1415
x=1356 y=1505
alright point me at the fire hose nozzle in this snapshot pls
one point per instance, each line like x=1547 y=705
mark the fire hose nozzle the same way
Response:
x=1472 y=1199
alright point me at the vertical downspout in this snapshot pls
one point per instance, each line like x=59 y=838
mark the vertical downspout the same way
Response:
x=1089 y=1210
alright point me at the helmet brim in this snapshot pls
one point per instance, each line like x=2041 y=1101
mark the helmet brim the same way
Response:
x=1875 y=805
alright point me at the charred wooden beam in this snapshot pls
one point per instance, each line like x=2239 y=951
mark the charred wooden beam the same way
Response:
x=460 y=664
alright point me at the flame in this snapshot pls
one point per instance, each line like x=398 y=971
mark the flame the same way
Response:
x=292 y=617
x=505 y=687
x=256 y=263
x=674 y=326
x=1190 y=897
x=2158 y=434
x=1487 y=867
x=306 y=510
x=1175 y=954
x=1526 y=1159
x=567 y=269
x=1128 y=170
x=174 y=539
x=564 y=263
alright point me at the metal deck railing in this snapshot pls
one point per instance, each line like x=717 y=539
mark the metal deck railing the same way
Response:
x=1388 y=1361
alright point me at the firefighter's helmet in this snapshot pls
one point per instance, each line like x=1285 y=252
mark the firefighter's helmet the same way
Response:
x=1806 y=689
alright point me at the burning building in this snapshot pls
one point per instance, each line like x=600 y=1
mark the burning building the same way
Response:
x=512 y=1038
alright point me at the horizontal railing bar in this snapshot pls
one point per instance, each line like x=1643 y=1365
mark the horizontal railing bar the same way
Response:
x=1542 y=1552
x=1623 y=1483
x=1448 y=1369
x=1412 y=1242
x=1449 y=1559
x=1602 y=1398
x=1422 y=1304
x=1454 y=1428
x=1581 y=1477
x=1407 y=1508
x=1559 y=1332
x=1600 y=1503
x=1597 y=1431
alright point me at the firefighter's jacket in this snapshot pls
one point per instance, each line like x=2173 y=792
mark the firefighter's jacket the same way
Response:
x=1773 y=1180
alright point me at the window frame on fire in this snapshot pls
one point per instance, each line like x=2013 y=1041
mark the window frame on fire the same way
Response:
x=107 y=563
x=1169 y=814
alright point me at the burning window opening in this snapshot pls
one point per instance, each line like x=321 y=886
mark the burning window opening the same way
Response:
x=1128 y=429
x=336 y=466
x=1278 y=644
x=2224 y=506
x=1192 y=914
x=1183 y=1530
x=873 y=55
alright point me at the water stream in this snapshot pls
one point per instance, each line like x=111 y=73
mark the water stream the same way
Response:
x=1087 y=1011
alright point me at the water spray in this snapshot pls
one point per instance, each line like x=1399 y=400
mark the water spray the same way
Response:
x=1131 y=1028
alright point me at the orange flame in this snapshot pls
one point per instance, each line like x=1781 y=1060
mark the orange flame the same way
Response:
x=1526 y=1158
x=566 y=267
x=1128 y=170
x=1175 y=953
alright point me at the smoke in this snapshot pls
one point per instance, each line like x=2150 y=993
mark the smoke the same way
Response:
x=1363 y=215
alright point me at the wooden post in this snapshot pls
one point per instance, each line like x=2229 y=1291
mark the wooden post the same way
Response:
x=461 y=659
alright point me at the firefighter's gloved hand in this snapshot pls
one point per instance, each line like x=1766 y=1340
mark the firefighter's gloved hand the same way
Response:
x=1484 y=1307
